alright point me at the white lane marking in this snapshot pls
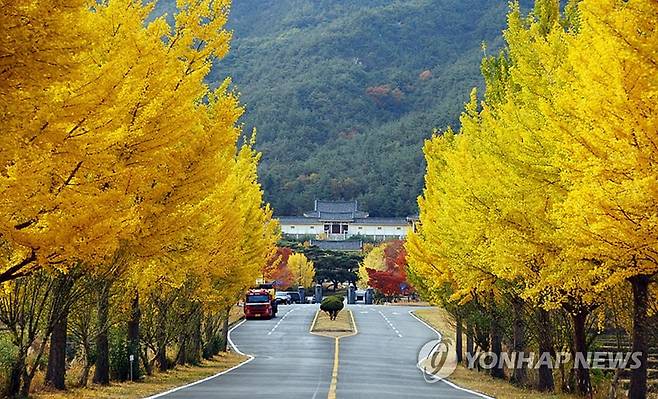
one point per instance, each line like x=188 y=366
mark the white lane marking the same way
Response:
x=317 y=389
x=443 y=379
x=390 y=324
x=235 y=349
x=363 y=311
x=279 y=322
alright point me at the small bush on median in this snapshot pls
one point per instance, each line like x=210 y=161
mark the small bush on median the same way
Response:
x=332 y=305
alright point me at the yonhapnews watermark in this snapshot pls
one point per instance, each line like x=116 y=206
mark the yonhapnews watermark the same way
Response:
x=437 y=360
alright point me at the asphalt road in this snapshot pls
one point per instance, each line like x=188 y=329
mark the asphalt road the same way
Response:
x=289 y=362
x=380 y=361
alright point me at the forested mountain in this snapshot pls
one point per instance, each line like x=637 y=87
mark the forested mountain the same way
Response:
x=343 y=92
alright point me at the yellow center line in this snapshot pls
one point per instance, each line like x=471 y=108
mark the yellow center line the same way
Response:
x=334 y=373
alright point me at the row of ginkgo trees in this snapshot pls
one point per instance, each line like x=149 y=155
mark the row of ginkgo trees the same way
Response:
x=547 y=197
x=131 y=218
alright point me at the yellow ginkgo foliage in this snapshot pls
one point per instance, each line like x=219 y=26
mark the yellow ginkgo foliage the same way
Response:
x=118 y=160
x=301 y=269
x=95 y=142
x=610 y=116
x=374 y=260
x=548 y=191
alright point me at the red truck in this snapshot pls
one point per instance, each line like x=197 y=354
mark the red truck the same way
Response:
x=259 y=303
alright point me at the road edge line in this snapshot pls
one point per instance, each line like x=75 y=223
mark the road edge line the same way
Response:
x=452 y=384
x=315 y=318
x=235 y=349
x=356 y=329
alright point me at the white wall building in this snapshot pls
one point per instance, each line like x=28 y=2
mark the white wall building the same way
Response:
x=342 y=220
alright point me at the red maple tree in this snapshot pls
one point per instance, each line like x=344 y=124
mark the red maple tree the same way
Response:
x=276 y=268
x=391 y=281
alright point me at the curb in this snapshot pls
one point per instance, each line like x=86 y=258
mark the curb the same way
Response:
x=234 y=325
x=451 y=384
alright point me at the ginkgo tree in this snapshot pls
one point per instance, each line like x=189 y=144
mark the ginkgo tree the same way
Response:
x=111 y=134
x=119 y=163
x=302 y=270
x=609 y=113
x=546 y=193
x=373 y=260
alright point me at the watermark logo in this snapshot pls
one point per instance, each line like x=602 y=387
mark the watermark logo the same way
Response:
x=436 y=360
x=589 y=360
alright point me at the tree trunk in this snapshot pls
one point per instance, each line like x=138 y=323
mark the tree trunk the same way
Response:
x=638 y=386
x=458 y=339
x=194 y=353
x=545 y=381
x=27 y=381
x=566 y=388
x=208 y=336
x=614 y=384
x=583 y=383
x=519 y=373
x=84 y=376
x=496 y=341
x=470 y=347
x=161 y=336
x=148 y=365
x=162 y=348
x=14 y=384
x=102 y=371
x=133 y=336
x=58 y=324
x=181 y=358
x=56 y=371
x=224 y=342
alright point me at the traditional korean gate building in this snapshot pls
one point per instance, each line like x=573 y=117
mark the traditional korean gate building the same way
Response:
x=335 y=221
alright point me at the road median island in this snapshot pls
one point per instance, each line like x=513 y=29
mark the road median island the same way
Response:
x=343 y=326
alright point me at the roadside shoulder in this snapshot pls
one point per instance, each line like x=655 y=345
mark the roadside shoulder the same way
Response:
x=472 y=381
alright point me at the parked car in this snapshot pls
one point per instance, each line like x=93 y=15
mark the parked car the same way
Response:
x=294 y=297
x=282 y=298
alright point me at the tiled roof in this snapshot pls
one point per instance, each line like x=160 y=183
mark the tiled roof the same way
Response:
x=336 y=206
x=336 y=211
x=345 y=245
x=342 y=216
x=382 y=221
x=370 y=221
x=296 y=220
